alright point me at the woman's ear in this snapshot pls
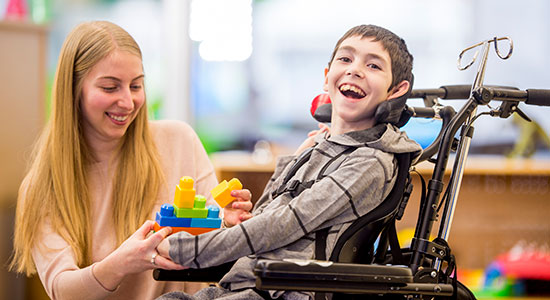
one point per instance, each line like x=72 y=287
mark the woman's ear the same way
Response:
x=325 y=85
x=399 y=90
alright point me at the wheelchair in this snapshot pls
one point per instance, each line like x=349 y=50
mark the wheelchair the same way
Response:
x=367 y=260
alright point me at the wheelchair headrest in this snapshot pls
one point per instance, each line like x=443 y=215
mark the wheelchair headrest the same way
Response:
x=391 y=111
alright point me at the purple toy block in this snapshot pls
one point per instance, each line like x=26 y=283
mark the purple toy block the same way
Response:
x=172 y=221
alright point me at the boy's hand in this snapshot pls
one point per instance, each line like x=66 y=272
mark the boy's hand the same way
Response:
x=163 y=259
x=164 y=248
x=310 y=141
x=239 y=210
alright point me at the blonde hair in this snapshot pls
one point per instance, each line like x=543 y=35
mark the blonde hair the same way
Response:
x=55 y=188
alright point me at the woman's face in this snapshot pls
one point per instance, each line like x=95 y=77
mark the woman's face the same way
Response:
x=112 y=95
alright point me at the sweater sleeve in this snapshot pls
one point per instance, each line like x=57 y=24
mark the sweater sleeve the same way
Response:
x=337 y=198
x=61 y=277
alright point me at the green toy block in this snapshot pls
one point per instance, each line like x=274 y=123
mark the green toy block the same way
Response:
x=200 y=201
x=190 y=212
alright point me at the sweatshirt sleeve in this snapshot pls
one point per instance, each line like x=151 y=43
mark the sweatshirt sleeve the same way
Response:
x=280 y=166
x=332 y=200
x=61 y=277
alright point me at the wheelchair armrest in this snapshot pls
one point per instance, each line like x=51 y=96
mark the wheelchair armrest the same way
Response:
x=212 y=274
x=332 y=271
x=326 y=276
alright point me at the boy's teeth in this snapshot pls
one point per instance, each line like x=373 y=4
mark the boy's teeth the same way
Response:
x=347 y=87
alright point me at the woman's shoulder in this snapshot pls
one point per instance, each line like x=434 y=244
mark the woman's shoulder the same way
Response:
x=171 y=129
x=174 y=138
x=169 y=125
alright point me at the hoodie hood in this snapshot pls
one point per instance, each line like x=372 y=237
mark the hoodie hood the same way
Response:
x=385 y=137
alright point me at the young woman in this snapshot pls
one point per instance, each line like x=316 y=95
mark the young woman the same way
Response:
x=100 y=171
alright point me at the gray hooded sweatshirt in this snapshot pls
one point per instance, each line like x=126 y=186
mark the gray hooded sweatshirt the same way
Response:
x=284 y=227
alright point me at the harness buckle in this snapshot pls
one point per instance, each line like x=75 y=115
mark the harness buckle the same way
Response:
x=292 y=186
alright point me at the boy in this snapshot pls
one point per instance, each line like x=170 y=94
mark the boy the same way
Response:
x=369 y=65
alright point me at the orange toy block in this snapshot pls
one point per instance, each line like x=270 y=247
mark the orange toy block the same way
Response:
x=191 y=230
x=222 y=192
x=185 y=193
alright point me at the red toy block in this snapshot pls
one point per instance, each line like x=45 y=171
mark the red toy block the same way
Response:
x=191 y=230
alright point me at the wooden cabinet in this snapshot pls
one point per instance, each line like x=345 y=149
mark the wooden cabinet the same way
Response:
x=22 y=99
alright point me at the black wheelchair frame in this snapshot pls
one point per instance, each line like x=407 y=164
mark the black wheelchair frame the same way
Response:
x=426 y=267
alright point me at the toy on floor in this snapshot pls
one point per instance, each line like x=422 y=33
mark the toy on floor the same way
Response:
x=189 y=212
x=521 y=272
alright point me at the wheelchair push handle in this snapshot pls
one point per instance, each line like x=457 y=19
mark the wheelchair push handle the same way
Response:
x=538 y=97
x=462 y=91
x=530 y=96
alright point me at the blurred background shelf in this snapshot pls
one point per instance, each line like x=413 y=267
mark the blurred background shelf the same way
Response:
x=22 y=98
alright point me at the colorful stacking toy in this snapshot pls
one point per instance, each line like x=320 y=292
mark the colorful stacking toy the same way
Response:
x=189 y=212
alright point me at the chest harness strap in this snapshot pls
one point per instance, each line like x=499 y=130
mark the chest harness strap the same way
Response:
x=296 y=187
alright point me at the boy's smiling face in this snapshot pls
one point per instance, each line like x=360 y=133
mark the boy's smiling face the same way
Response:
x=357 y=81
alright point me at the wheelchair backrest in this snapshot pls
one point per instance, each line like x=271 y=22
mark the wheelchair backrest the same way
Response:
x=356 y=244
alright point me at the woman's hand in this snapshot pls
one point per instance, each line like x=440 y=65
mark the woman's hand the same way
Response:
x=137 y=254
x=239 y=210
x=310 y=140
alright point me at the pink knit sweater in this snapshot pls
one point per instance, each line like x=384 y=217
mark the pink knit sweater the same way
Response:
x=182 y=154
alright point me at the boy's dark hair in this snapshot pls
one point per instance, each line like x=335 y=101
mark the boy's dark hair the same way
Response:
x=401 y=59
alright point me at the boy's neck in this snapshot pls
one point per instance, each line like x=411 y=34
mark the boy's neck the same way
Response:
x=345 y=127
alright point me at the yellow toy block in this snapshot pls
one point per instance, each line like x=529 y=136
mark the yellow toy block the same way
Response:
x=185 y=193
x=222 y=192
